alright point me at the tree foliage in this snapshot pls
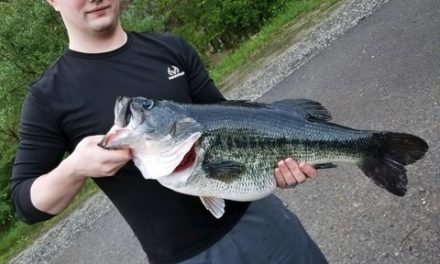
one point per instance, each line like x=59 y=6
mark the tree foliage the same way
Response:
x=31 y=37
x=210 y=25
x=216 y=25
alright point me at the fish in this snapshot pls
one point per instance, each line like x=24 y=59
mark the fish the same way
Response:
x=229 y=150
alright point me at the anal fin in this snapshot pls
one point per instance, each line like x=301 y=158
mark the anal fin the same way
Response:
x=215 y=205
x=321 y=166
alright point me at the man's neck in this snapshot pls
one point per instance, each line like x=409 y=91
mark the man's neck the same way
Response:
x=98 y=43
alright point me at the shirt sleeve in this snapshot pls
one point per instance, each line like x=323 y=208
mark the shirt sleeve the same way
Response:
x=202 y=87
x=41 y=148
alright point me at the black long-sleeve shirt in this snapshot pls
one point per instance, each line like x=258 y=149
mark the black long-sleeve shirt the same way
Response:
x=75 y=98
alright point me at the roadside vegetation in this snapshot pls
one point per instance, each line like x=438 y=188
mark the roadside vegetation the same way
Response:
x=32 y=36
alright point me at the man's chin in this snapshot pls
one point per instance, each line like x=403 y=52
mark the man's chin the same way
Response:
x=102 y=26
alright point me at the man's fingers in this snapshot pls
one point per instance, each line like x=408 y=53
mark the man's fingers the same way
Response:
x=285 y=174
x=93 y=139
x=280 y=178
x=289 y=173
x=309 y=170
x=117 y=156
x=110 y=155
x=295 y=171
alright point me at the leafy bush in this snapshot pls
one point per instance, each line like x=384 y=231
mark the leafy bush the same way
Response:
x=6 y=214
x=28 y=44
x=210 y=25
x=141 y=15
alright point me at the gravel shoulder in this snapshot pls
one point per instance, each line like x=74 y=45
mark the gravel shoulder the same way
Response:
x=74 y=240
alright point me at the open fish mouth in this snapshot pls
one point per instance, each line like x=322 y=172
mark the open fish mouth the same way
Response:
x=122 y=117
x=112 y=136
x=122 y=111
x=128 y=115
x=163 y=142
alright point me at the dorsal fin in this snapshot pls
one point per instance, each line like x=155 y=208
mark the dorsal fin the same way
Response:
x=303 y=108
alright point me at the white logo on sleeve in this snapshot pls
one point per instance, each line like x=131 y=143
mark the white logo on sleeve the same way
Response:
x=174 y=72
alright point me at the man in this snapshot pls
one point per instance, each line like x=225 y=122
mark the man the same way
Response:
x=69 y=109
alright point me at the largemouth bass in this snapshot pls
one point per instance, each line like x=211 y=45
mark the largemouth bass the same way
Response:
x=229 y=150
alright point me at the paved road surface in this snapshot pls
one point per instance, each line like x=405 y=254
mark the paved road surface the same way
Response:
x=382 y=74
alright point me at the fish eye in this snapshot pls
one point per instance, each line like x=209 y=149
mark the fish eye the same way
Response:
x=147 y=104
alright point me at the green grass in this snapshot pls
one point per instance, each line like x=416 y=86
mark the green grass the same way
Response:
x=17 y=238
x=291 y=14
x=21 y=235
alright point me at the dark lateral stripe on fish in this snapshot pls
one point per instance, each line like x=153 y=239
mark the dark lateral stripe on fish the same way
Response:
x=231 y=139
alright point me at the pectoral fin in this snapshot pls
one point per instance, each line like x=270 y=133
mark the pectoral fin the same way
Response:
x=223 y=170
x=215 y=205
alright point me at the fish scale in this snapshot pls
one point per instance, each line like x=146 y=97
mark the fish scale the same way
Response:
x=260 y=153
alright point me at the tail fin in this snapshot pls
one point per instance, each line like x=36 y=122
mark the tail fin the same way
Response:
x=385 y=165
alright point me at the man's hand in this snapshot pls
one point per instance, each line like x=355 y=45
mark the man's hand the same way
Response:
x=65 y=181
x=90 y=160
x=289 y=173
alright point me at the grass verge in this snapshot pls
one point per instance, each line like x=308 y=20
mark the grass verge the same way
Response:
x=20 y=236
x=292 y=13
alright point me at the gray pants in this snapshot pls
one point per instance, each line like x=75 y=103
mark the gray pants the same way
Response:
x=267 y=233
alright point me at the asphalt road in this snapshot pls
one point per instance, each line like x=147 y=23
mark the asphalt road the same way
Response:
x=382 y=74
